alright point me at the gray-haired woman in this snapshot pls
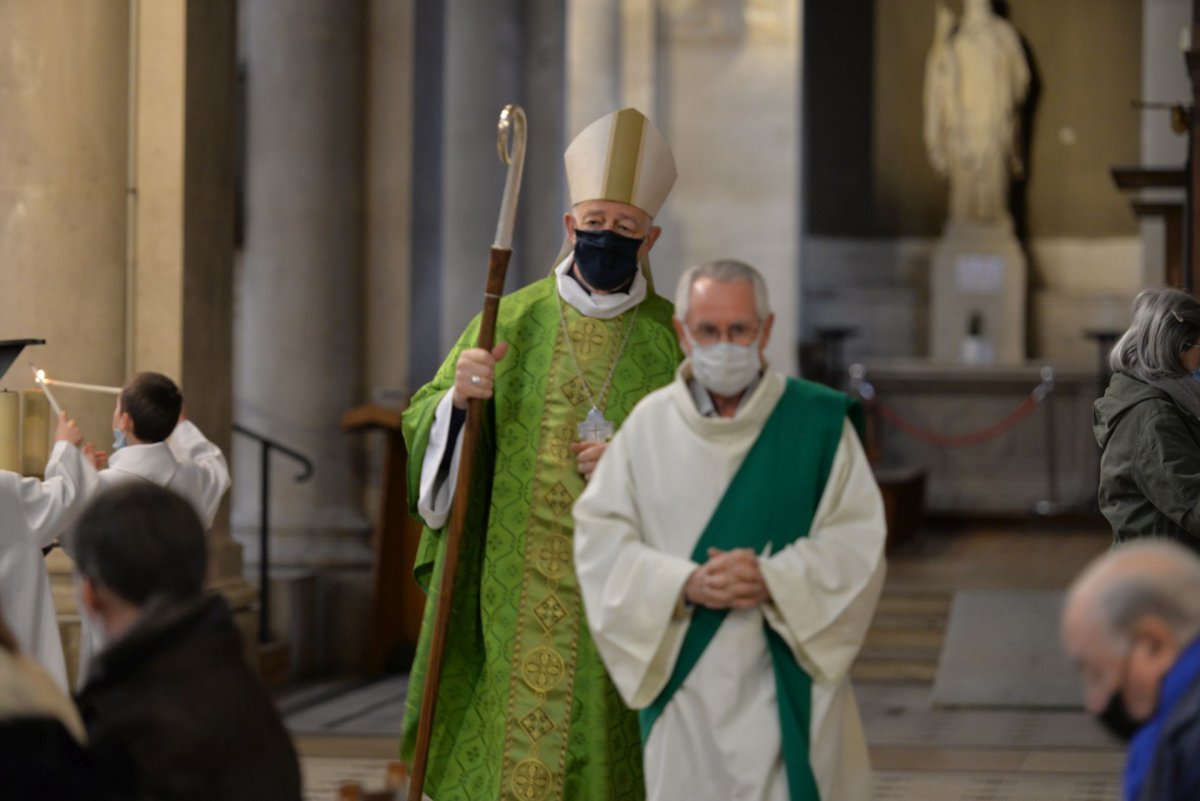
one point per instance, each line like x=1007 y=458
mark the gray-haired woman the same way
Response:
x=1148 y=422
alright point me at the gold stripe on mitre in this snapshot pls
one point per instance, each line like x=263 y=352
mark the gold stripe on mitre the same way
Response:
x=624 y=156
x=621 y=157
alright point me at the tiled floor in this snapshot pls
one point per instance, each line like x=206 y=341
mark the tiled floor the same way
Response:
x=920 y=752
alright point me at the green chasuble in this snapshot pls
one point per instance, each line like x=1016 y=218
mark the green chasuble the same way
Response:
x=525 y=709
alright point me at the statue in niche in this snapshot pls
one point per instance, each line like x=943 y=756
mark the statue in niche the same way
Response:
x=976 y=79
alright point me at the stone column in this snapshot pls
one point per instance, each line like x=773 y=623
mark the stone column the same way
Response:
x=389 y=189
x=592 y=61
x=63 y=89
x=540 y=231
x=205 y=303
x=639 y=52
x=299 y=291
x=481 y=75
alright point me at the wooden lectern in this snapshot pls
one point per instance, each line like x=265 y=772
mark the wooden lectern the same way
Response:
x=396 y=600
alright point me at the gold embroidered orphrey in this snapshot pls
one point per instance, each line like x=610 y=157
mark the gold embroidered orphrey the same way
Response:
x=542 y=685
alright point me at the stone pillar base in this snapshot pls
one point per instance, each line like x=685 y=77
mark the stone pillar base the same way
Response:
x=978 y=295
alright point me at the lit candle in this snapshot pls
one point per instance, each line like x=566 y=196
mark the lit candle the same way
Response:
x=40 y=377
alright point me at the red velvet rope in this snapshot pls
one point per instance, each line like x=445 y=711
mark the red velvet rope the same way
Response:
x=958 y=440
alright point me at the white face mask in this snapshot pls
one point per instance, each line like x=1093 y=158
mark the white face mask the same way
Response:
x=724 y=367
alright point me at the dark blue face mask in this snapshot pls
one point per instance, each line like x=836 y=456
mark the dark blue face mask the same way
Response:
x=606 y=260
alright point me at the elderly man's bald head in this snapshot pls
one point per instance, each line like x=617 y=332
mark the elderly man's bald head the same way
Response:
x=1148 y=577
x=1127 y=619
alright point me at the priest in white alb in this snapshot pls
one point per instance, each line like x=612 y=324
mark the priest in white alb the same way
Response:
x=729 y=550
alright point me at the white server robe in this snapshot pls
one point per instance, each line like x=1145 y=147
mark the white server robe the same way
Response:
x=186 y=463
x=32 y=514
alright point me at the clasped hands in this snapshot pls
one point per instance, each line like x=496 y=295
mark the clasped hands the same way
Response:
x=728 y=580
x=475 y=377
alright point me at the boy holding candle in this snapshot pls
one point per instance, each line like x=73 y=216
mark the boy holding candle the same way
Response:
x=155 y=441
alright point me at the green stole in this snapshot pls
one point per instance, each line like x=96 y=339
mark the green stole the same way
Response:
x=773 y=497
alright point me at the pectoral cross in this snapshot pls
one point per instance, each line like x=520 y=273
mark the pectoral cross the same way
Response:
x=595 y=428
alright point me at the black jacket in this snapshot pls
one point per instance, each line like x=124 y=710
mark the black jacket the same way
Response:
x=174 y=713
x=40 y=760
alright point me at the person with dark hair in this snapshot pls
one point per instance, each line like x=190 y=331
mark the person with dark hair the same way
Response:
x=156 y=443
x=1148 y=422
x=33 y=512
x=172 y=709
x=152 y=403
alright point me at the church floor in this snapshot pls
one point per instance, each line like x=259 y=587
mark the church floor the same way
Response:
x=921 y=752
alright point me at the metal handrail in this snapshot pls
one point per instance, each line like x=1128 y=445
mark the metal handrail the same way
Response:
x=264 y=560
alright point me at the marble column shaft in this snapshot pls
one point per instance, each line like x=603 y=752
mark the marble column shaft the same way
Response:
x=299 y=332
x=63 y=88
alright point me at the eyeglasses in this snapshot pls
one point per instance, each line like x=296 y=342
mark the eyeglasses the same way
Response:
x=737 y=333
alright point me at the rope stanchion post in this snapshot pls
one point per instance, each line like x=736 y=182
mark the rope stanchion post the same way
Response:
x=1050 y=504
x=866 y=391
x=860 y=388
x=1040 y=395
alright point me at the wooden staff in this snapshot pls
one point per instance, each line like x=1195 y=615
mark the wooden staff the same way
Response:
x=512 y=119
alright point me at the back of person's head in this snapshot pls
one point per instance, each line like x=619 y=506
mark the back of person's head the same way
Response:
x=141 y=541
x=1165 y=322
x=153 y=404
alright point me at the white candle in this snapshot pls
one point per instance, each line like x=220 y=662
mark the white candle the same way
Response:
x=85 y=387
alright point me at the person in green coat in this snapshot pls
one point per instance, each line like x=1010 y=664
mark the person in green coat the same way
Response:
x=1148 y=423
x=525 y=709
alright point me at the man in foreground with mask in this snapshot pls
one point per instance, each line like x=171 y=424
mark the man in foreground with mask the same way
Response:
x=525 y=709
x=729 y=550
x=1131 y=625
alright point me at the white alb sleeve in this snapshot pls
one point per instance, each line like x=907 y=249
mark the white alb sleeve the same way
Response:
x=437 y=492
